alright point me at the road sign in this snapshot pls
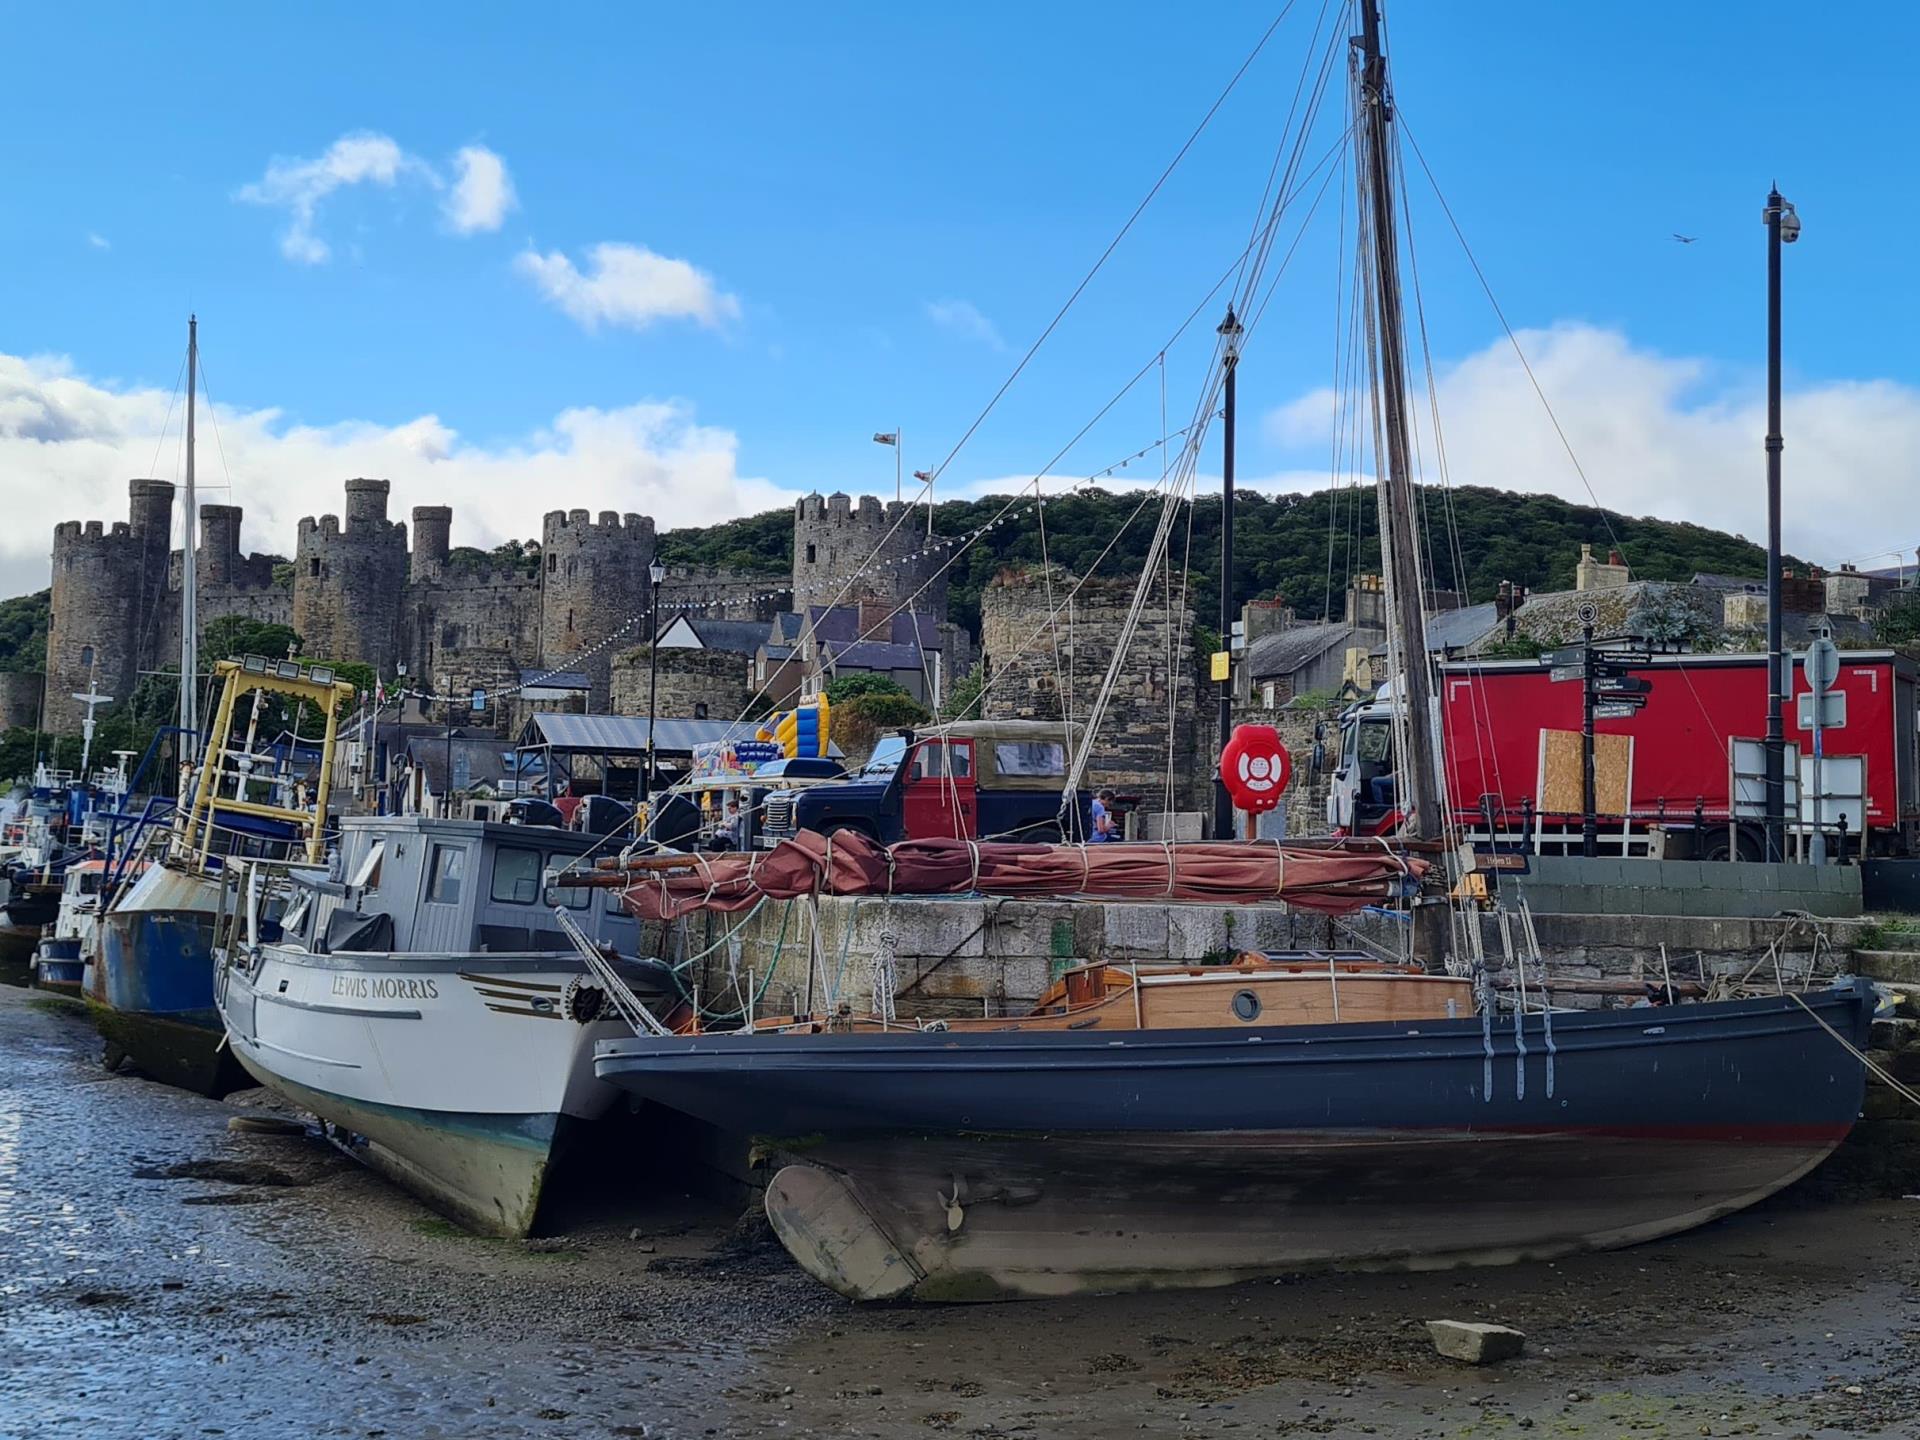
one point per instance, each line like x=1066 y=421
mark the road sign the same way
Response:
x=1622 y=657
x=1621 y=685
x=1568 y=672
x=1588 y=612
x=1621 y=709
x=1833 y=710
x=1566 y=655
x=1822 y=663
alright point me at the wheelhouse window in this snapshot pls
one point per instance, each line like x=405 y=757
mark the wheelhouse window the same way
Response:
x=574 y=897
x=516 y=875
x=446 y=871
x=367 y=876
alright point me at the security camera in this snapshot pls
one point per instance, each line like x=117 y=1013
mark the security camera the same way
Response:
x=1789 y=225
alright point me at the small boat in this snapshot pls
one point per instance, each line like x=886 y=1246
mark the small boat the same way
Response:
x=154 y=991
x=970 y=1164
x=434 y=1011
x=67 y=947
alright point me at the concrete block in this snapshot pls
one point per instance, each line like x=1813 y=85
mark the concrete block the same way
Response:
x=1475 y=1343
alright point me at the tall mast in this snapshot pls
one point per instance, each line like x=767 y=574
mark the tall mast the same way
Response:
x=189 y=580
x=1417 y=777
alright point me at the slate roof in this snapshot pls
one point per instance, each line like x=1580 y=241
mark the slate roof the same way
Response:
x=741 y=637
x=1286 y=651
x=556 y=679
x=875 y=655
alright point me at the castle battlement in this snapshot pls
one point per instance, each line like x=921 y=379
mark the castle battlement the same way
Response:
x=579 y=525
x=841 y=545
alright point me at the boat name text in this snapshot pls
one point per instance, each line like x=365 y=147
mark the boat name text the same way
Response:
x=384 y=987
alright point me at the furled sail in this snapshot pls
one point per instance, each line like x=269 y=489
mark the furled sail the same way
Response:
x=1327 y=881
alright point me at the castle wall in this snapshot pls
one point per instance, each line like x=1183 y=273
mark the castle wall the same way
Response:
x=450 y=622
x=20 y=699
x=841 y=548
x=347 y=581
x=1154 y=693
x=594 y=590
x=694 y=684
x=107 y=588
x=712 y=592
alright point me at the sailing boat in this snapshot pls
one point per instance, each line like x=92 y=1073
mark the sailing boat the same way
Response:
x=1011 y=1160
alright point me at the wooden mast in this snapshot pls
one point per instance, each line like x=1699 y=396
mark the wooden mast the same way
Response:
x=1417 y=775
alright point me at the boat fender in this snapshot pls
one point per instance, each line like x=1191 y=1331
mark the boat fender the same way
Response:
x=583 y=1003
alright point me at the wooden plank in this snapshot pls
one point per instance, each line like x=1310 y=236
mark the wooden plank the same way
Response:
x=1561 y=763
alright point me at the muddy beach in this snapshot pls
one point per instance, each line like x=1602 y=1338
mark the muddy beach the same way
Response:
x=164 y=1275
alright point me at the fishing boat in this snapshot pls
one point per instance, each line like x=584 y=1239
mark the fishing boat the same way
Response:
x=154 y=998
x=1231 y=1139
x=66 y=949
x=431 y=1009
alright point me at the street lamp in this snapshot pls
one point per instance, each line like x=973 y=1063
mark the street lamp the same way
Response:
x=1230 y=330
x=656 y=572
x=1783 y=228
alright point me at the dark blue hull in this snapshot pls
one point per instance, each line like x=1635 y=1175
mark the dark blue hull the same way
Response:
x=156 y=986
x=976 y=1164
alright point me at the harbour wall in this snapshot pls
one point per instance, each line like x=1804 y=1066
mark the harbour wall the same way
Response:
x=1575 y=884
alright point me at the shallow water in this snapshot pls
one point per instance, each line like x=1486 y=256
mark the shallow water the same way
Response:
x=335 y=1305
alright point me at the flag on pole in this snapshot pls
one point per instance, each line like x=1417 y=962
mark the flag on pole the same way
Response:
x=890 y=438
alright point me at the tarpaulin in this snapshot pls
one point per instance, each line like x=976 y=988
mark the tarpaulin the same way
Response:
x=1332 y=882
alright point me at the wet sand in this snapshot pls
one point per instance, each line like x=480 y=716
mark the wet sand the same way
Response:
x=163 y=1276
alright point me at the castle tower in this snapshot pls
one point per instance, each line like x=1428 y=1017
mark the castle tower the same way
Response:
x=593 y=587
x=349 y=582
x=432 y=527
x=219 y=548
x=108 y=587
x=841 y=549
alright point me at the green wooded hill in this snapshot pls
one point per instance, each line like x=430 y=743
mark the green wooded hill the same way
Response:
x=1300 y=546
x=23 y=631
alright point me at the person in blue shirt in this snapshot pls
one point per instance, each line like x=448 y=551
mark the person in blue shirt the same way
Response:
x=1106 y=825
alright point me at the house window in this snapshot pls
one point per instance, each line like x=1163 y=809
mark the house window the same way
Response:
x=448 y=868
x=516 y=875
x=86 y=656
x=810 y=554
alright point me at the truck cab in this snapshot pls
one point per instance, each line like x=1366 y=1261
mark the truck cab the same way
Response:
x=1355 y=804
x=974 y=780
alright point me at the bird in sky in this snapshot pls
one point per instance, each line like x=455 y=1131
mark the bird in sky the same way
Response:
x=1685 y=239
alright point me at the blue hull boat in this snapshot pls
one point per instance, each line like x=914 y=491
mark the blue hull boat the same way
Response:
x=986 y=1164
x=154 y=1000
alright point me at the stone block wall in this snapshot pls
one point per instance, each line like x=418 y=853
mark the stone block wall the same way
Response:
x=693 y=684
x=1574 y=884
x=1044 y=666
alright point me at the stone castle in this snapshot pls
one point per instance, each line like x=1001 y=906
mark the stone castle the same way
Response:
x=358 y=591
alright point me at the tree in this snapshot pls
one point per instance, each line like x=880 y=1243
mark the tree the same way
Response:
x=1898 y=626
x=860 y=721
x=962 y=700
x=23 y=631
x=851 y=687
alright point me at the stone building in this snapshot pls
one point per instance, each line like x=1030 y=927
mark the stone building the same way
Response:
x=20 y=693
x=693 y=684
x=355 y=590
x=1039 y=666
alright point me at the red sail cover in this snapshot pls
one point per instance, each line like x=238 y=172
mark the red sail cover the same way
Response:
x=1333 y=882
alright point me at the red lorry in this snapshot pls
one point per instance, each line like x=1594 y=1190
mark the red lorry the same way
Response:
x=1682 y=771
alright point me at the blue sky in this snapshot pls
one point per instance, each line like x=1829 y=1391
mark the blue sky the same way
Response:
x=881 y=206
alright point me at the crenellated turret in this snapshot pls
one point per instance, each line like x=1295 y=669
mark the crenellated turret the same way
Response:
x=841 y=548
x=594 y=586
x=349 y=582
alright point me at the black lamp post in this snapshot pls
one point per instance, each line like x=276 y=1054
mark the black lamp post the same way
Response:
x=1230 y=331
x=656 y=572
x=1783 y=227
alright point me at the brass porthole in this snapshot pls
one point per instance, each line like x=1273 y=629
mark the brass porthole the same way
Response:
x=1246 y=1005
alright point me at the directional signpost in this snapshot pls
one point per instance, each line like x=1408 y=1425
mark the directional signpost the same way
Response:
x=1608 y=692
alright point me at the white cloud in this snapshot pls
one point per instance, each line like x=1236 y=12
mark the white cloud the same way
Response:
x=1675 y=436
x=98 y=241
x=963 y=318
x=298 y=186
x=628 y=285
x=482 y=192
x=68 y=445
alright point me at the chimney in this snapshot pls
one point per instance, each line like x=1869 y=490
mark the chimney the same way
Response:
x=875 y=619
x=1613 y=558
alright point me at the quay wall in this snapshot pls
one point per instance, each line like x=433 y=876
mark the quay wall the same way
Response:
x=968 y=956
